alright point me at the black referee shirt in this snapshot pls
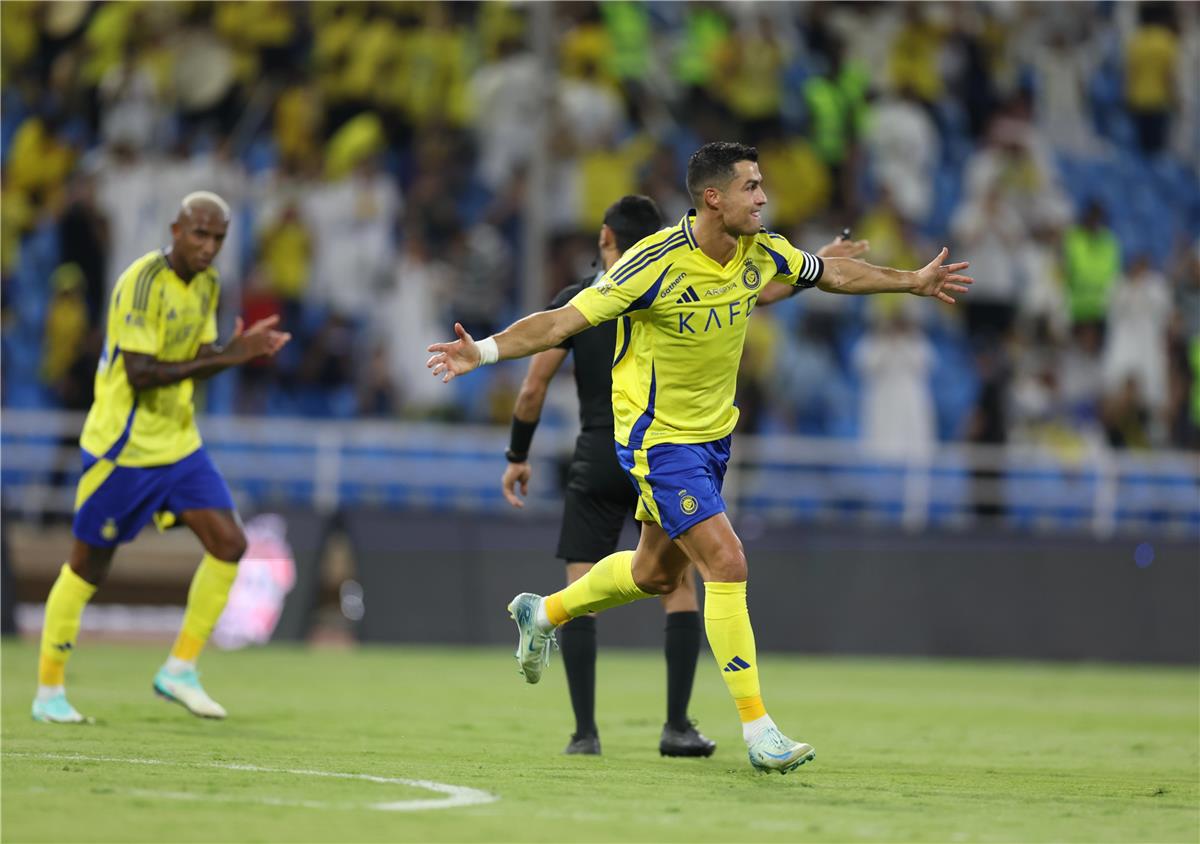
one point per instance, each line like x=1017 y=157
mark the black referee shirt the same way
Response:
x=594 y=349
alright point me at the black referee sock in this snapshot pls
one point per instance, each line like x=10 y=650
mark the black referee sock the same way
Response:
x=682 y=649
x=577 y=641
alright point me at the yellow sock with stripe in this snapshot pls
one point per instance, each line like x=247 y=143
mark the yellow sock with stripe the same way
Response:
x=206 y=599
x=64 y=609
x=727 y=623
x=607 y=584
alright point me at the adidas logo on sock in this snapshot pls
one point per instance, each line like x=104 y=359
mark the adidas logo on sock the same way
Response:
x=736 y=664
x=689 y=295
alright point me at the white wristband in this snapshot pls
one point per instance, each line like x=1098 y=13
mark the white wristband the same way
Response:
x=489 y=352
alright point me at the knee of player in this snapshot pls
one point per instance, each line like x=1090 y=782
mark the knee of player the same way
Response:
x=90 y=563
x=92 y=571
x=658 y=583
x=730 y=564
x=230 y=547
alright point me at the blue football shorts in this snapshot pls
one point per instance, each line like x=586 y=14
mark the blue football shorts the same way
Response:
x=113 y=503
x=677 y=485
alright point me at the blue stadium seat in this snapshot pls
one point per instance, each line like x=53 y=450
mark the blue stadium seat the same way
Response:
x=949 y=491
x=877 y=489
x=13 y=106
x=260 y=156
x=955 y=385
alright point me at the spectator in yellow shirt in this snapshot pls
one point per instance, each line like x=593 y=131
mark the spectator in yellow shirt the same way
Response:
x=1150 y=94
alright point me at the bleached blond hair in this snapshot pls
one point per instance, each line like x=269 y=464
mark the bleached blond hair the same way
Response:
x=204 y=197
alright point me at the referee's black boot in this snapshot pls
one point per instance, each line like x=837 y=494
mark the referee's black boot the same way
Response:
x=583 y=745
x=687 y=741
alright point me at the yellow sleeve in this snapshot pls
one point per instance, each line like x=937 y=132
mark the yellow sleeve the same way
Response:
x=139 y=311
x=793 y=266
x=608 y=299
x=632 y=284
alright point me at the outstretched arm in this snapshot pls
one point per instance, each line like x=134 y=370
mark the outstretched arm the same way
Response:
x=936 y=279
x=839 y=247
x=528 y=335
x=146 y=371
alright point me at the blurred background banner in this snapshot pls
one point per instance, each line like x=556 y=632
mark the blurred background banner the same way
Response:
x=1017 y=475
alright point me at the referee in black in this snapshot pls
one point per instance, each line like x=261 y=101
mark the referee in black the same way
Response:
x=600 y=497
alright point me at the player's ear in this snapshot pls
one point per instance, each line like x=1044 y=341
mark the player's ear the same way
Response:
x=608 y=237
x=712 y=198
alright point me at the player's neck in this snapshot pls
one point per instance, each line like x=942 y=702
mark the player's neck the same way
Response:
x=713 y=239
x=177 y=267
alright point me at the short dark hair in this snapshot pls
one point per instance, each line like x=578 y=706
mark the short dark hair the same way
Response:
x=631 y=218
x=713 y=164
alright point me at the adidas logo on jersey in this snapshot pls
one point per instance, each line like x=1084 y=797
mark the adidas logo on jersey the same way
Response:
x=689 y=295
x=737 y=664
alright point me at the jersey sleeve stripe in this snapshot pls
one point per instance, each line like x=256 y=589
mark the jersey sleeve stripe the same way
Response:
x=647 y=299
x=630 y=259
x=647 y=257
x=781 y=264
x=139 y=287
x=141 y=292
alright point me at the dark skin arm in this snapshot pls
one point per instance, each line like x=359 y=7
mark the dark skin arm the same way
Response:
x=145 y=372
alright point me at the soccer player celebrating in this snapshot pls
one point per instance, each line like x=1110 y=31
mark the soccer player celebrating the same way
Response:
x=683 y=297
x=142 y=455
x=599 y=495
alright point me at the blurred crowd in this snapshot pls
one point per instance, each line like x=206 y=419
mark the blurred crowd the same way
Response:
x=376 y=156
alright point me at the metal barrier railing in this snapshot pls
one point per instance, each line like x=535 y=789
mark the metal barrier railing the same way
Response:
x=330 y=465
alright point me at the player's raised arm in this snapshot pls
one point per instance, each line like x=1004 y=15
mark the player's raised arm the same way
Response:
x=936 y=279
x=527 y=336
x=840 y=247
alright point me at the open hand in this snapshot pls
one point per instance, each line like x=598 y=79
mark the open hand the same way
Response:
x=936 y=278
x=259 y=339
x=514 y=474
x=458 y=357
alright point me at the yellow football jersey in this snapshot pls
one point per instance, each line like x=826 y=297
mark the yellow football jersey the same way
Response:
x=152 y=312
x=683 y=323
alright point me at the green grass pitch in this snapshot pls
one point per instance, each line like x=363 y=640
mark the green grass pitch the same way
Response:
x=907 y=750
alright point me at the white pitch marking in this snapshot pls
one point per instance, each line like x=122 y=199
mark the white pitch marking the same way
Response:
x=458 y=795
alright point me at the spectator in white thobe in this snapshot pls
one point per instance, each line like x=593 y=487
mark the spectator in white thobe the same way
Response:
x=894 y=361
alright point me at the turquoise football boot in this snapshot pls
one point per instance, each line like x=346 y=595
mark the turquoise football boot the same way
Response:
x=185 y=689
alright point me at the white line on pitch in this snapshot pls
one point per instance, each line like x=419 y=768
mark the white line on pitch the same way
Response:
x=456 y=795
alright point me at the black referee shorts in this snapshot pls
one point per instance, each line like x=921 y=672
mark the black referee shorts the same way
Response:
x=599 y=498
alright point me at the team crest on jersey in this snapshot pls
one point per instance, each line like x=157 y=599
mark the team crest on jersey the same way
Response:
x=751 y=277
x=687 y=503
x=109 y=531
x=604 y=286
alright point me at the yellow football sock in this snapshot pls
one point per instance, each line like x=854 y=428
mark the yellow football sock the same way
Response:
x=609 y=583
x=64 y=608
x=206 y=598
x=727 y=623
